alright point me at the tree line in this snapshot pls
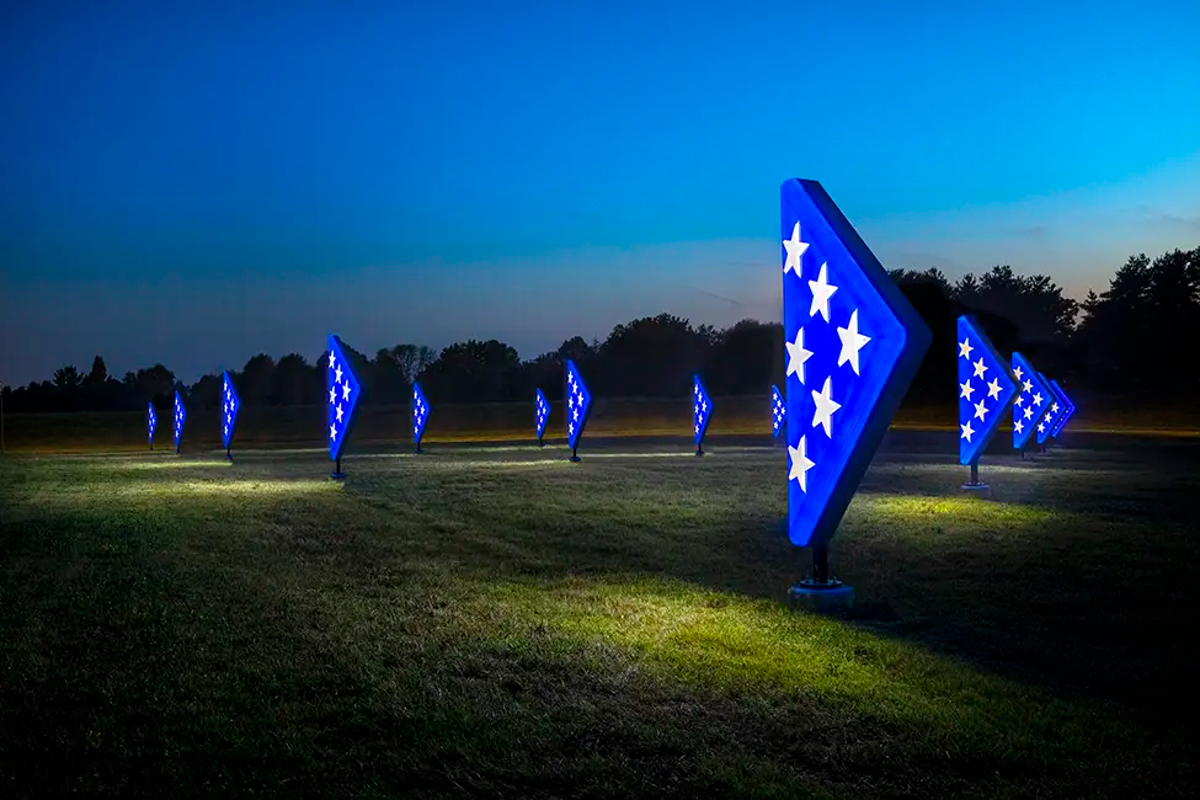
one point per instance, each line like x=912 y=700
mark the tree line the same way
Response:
x=1133 y=339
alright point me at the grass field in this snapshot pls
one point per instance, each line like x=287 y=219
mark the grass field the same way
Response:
x=500 y=622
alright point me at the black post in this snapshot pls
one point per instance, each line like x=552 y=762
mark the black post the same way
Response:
x=974 y=472
x=228 y=455
x=574 y=452
x=699 y=448
x=820 y=563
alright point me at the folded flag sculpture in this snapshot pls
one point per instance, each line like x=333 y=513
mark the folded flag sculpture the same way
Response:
x=702 y=407
x=541 y=415
x=1053 y=410
x=344 y=391
x=1030 y=403
x=230 y=405
x=579 y=406
x=420 y=416
x=180 y=418
x=778 y=412
x=151 y=422
x=853 y=344
x=984 y=390
x=1066 y=415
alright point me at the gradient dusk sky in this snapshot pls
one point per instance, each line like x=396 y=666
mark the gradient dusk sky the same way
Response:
x=194 y=183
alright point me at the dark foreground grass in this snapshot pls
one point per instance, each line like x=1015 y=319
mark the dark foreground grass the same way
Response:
x=506 y=623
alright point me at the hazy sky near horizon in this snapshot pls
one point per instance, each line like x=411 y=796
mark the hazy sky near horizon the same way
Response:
x=198 y=183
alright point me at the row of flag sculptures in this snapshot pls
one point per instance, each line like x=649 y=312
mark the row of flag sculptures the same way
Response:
x=853 y=345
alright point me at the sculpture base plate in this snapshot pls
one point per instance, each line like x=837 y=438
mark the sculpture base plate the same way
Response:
x=831 y=597
x=980 y=488
x=337 y=476
x=575 y=459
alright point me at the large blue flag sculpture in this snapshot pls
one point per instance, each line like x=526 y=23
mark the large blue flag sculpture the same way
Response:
x=180 y=418
x=778 y=412
x=230 y=405
x=984 y=389
x=1066 y=415
x=151 y=422
x=1054 y=413
x=853 y=346
x=702 y=408
x=1030 y=403
x=579 y=406
x=344 y=391
x=420 y=416
x=541 y=415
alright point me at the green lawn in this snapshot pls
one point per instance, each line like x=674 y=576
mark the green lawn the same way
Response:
x=504 y=623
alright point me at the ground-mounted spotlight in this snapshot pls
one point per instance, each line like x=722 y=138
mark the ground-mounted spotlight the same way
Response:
x=180 y=418
x=853 y=345
x=1056 y=410
x=541 y=415
x=778 y=412
x=151 y=422
x=230 y=405
x=702 y=408
x=420 y=416
x=984 y=389
x=1033 y=396
x=579 y=406
x=1066 y=415
x=344 y=390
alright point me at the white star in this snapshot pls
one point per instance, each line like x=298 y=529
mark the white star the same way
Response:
x=821 y=292
x=1027 y=386
x=571 y=427
x=852 y=342
x=571 y=378
x=338 y=374
x=795 y=249
x=697 y=429
x=964 y=348
x=980 y=368
x=576 y=415
x=967 y=432
x=800 y=465
x=797 y=355
x=1020 y=399
x=332 y=395
x=346 y=390
x=1053 y=409
x=332 y=432
x=1037 y=399
x=823 y=413
x=704 y=407
x=980 y=410
x=1028 y=412
x=966 y=389
x=1041 y=428
x=338 y=411
x=994 y=389
x=332 y=360
x=1020 y=426
x=1019 y=373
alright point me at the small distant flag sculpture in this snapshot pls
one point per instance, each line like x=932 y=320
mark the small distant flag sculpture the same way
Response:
x=1070 y=412
x=853 y=345
x=1031 y=401
x=579 y=406
x=420 y=416
x=541 y=415
x=1054 y=412
x=778 y=412
x=180 y=418
x=984 y=389
x=344 y=391
x=230 y=405
x=151 y=422
x=702 y=408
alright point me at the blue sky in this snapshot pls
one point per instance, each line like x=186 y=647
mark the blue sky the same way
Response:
x=194 y=183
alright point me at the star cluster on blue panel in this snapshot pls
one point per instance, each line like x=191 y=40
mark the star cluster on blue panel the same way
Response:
x=579 y=402
x=778 y=412
x=984 y=389
x=420 y=414
x=1031 y=400
x=702 y=407
x=230 y=404
x=541 y=413
x=180 y=418
x=344 y=391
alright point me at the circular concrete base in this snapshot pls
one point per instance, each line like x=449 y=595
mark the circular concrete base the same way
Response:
x=833 y=597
